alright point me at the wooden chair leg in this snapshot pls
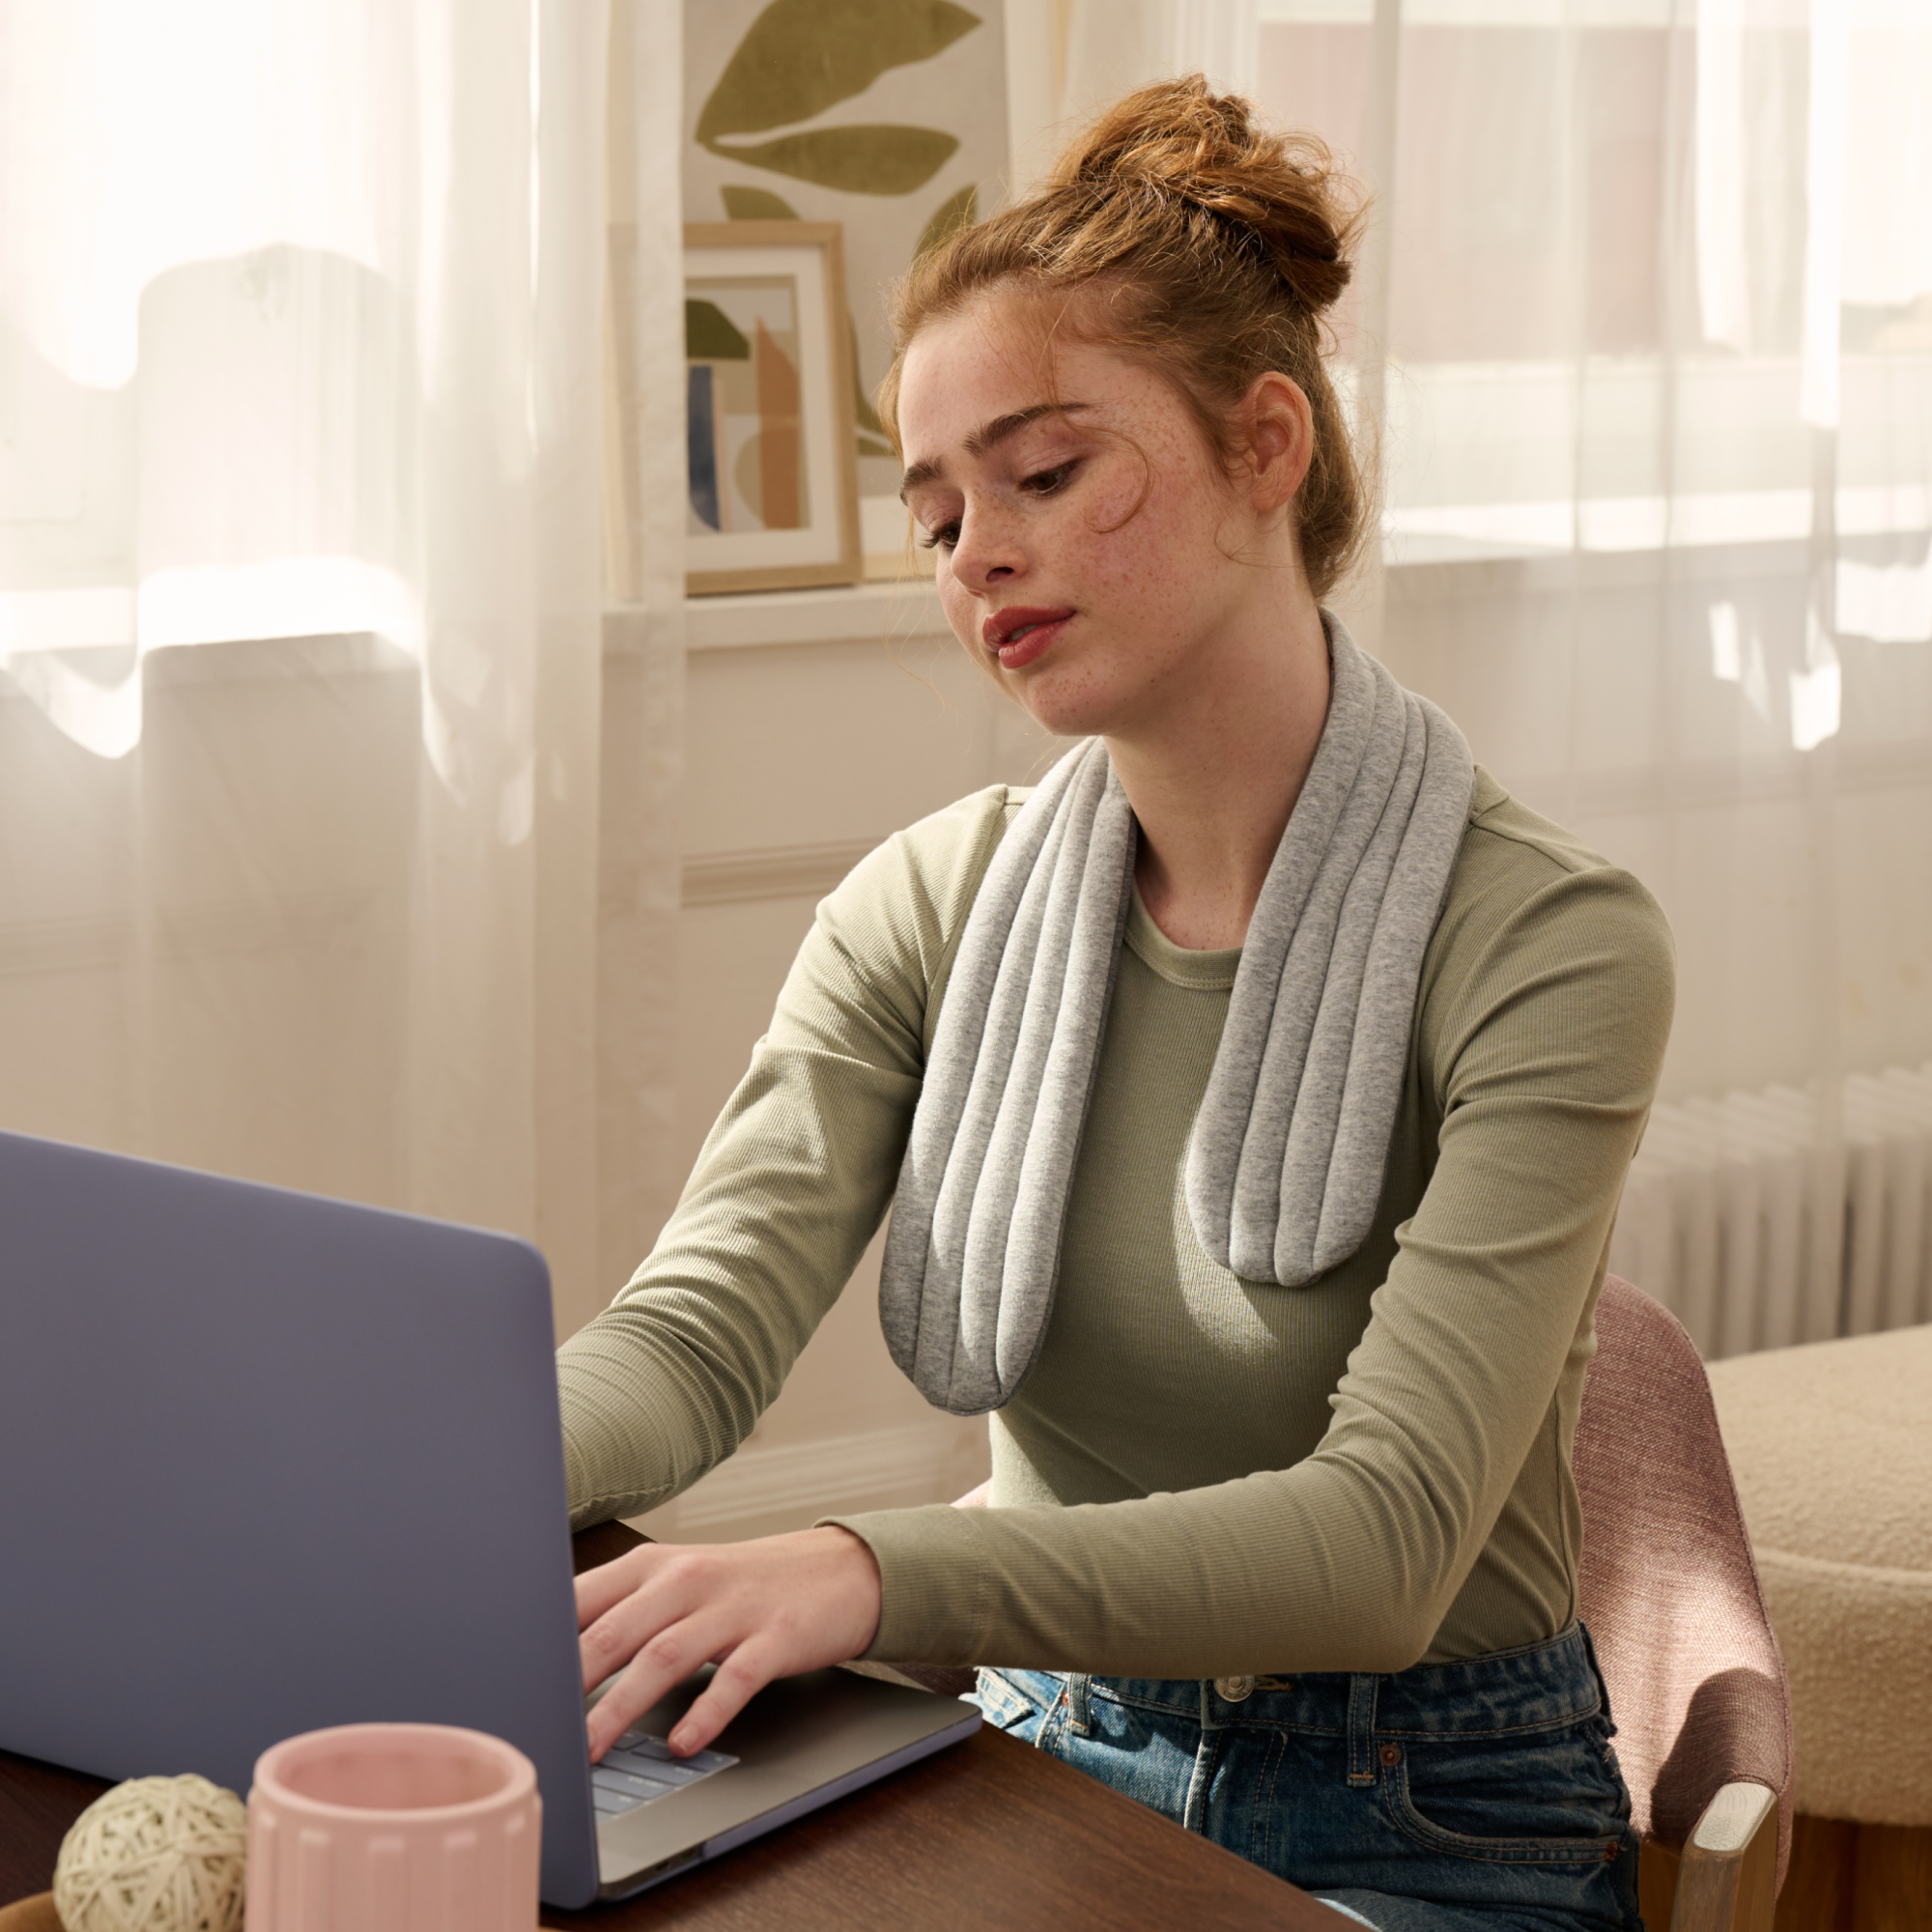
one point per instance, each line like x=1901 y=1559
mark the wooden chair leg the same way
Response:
x=1726 y=1880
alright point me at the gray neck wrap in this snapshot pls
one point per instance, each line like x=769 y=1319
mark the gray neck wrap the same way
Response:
x=1284 y=1167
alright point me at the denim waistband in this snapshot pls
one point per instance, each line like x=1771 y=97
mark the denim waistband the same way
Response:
x=1540 y=1687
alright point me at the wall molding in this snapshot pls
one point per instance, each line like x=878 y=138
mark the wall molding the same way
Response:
x=771 y=872
x=810 y=871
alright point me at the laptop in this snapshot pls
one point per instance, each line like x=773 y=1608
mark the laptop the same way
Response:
x=271 y=1463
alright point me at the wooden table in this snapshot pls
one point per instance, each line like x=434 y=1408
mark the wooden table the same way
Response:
x=988 y=1832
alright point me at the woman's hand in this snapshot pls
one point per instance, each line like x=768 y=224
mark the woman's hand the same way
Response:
x=758 y=1611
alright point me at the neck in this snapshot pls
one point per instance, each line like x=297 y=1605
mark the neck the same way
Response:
x=1213 y=779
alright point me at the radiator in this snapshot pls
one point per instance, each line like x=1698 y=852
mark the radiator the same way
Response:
x=1764 y=1219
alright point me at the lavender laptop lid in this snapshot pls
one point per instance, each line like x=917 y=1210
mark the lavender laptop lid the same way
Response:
x=269 y=1462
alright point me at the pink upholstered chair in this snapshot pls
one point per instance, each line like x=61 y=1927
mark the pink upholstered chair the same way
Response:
x=1670 y=1594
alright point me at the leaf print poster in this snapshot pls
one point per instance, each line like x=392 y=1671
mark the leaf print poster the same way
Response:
x=887 y=116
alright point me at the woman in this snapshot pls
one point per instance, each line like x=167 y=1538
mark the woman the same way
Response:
x=1253 y=1100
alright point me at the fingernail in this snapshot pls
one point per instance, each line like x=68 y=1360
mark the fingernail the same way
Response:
x=680 y=1739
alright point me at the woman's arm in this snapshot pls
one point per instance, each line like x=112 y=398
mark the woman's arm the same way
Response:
x=791 y=1183
x=1542 y=1042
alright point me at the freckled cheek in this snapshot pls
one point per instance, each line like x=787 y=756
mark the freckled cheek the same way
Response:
x=1119 y=508
x=1135 y=569
x=1138 y=541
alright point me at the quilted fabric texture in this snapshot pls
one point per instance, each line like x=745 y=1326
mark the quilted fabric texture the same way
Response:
x=1667 y=1585
x=1831 y=1444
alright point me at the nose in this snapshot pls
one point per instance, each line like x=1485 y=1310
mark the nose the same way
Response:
x=987 y=553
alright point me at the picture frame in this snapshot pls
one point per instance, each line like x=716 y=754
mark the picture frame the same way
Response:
x=772 y=472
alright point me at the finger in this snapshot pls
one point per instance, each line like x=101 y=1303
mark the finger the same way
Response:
x=658 y=1667
x=598 y=1589
x=665 y=1591
x=738 y=1678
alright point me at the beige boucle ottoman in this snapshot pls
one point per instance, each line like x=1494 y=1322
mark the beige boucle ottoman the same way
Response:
x=1831 y=1447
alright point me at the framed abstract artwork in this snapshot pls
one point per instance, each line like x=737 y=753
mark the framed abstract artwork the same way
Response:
x=772 y=474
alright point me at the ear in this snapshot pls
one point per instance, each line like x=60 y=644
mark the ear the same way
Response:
x=1280 y=434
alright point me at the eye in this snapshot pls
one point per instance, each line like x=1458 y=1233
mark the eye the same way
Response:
x=1045 y=482
x=947 y=535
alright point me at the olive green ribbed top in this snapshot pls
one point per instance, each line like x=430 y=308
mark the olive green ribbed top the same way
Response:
x=1203 y=1475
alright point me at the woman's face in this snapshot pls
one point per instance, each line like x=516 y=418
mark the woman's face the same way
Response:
x=1084 y=552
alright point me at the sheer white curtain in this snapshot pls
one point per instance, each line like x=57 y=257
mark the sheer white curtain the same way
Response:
x=1647 y=302
x=1111 y=49
x=302 y=442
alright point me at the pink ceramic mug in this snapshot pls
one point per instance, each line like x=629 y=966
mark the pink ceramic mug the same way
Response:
x=393 y=1828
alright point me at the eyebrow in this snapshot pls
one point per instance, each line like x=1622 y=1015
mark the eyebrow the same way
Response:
x=987 y=437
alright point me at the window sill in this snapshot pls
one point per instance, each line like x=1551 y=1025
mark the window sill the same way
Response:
x=751 y=620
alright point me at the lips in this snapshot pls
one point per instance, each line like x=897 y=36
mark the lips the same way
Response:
x=1022 y=632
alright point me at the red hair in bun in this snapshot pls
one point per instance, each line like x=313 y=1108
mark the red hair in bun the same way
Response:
x=1211 y=248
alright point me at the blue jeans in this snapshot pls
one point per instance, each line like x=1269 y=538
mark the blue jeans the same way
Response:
x=1451 y=1798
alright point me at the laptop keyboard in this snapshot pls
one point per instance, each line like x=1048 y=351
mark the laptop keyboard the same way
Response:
x=639 y=1767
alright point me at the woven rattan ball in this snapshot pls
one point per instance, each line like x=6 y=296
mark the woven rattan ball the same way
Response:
x=155 y=1854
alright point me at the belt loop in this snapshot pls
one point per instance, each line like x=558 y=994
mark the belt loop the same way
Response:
x=1077 y=1702
x=1597 y=1674
x=1361 y=1728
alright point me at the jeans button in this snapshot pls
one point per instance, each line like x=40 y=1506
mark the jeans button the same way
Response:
x=1234 y=1689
